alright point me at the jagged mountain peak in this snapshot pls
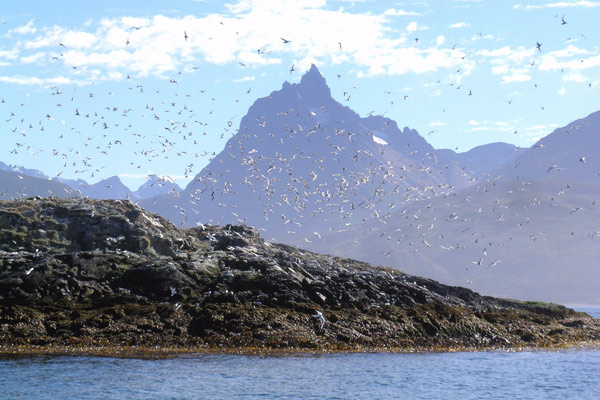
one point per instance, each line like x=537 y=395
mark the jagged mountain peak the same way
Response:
x=312 y=88
x=112 y=179
x=313 y=79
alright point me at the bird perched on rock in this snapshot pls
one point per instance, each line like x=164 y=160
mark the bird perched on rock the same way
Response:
x=320 y=317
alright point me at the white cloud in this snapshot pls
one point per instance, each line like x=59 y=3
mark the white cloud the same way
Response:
x=537 y=128
x=399 y=61
x=569 y=59
x=245 y=79
x=508 y=62
x=23 y=30
x=562 y=91
x=33 y=58
x=36 y=81
x=574 y=77
x=516 y=76
x=479 y=129
x=560 y=4
x=12 y=54
x=500 y=69
x=397 y=13
x=22 y=80
x=459 y=25
x=569 y=51
x=146 y=46
x=50 y=37
x=536 y=132
x=434 y=124
x=508 y=54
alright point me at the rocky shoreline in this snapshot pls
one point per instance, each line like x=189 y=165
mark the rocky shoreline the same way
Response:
x=107 y=277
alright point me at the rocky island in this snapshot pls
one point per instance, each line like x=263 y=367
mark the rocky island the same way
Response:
x=79 y=275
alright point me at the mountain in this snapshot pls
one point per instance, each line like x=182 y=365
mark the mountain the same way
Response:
x=107 y=275
x=75 y=184
x=302 y=163
x=22 y=170
x=109 y=188
x=156 y=186
x=482 y=160
x=528 y=230
x=569 y=154
x=17 y=185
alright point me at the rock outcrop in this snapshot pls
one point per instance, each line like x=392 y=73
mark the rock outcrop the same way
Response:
x=109 y=274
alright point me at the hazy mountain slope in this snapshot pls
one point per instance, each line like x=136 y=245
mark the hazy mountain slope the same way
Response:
x=540 y=229
x=569 y=154
x=16 y=185
x=501 y=244
x=110 y=188
x=22 y=170
x=156 y=186
x=482 y=160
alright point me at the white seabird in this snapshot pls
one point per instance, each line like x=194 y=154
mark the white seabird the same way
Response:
x=321 y=318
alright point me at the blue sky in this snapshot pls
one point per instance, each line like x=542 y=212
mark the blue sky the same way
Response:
x=111 y=87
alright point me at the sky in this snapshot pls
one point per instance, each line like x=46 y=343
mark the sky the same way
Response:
x=95 y=89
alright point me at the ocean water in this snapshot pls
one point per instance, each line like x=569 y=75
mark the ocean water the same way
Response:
x=479 y=375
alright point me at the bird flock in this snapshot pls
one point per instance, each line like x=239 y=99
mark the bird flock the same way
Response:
x=301 y=166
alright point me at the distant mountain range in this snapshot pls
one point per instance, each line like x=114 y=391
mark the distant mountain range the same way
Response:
x=306 y=170
x=17 y=184
x=111 y=188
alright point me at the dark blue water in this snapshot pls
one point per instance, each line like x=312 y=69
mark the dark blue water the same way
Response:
x=484 y=375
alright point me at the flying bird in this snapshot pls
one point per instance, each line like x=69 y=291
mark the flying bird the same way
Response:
x=285 y=40
x=185 y=35
x=477 y=262
x=538 y=46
